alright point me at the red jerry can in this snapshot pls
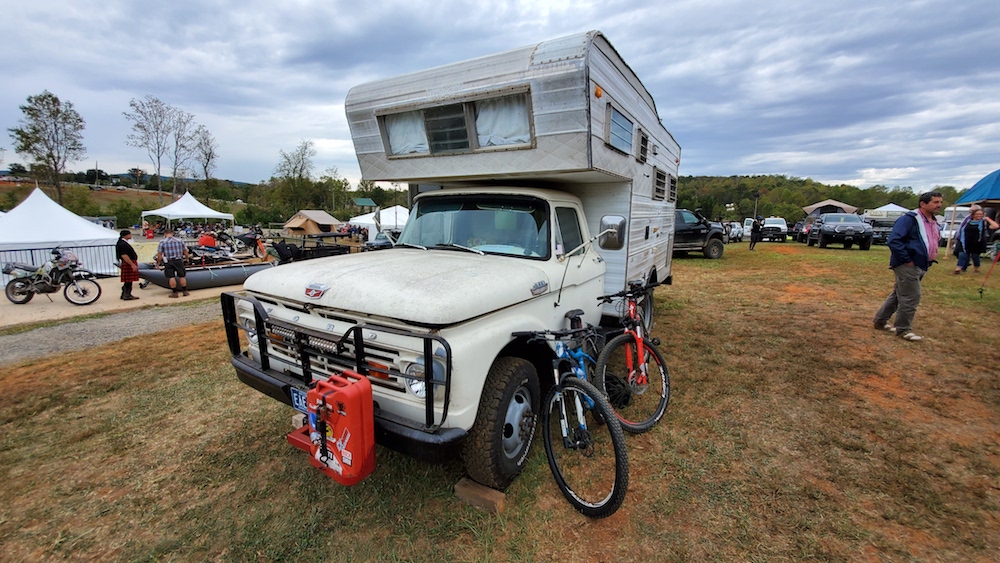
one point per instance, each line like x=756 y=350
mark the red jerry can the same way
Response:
x=342 y=427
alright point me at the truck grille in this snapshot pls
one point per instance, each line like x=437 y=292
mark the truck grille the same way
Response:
x=317 y=355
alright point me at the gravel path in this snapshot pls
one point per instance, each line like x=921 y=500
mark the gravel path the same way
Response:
x=69 y=336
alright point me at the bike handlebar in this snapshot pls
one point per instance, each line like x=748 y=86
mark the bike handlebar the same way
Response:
x=564 y=334
x=633 y=290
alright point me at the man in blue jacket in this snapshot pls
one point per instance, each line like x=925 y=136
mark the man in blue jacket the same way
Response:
x=913 y=244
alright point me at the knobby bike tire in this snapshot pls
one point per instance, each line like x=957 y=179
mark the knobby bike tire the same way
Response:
x=637 y=407
x=594 y=479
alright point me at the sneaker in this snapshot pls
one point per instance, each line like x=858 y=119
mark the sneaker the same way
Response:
x=911 y=337
x=173 y=295
x=886 y=327
x=186 y=293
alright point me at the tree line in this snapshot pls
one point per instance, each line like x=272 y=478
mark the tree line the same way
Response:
x=50 y=133
x=733 y=198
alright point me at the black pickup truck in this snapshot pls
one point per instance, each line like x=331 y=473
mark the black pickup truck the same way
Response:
x=693 y=232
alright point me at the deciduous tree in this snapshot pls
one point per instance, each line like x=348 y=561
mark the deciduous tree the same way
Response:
x=294 y=172
x=151 y=129
x=206 y=151
x=182 y=137
x=51 y=132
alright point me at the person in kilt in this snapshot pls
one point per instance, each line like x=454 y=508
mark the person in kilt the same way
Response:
x=129 y=264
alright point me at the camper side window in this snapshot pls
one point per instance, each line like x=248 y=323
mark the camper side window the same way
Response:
x=659 y=185
x=619 y=130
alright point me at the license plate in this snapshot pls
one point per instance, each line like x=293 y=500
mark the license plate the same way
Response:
x=299 y=400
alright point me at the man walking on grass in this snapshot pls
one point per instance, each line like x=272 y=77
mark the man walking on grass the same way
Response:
x=913 y=247
x=171 y=255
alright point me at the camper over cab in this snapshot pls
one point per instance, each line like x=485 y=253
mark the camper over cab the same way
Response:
x=541 y=178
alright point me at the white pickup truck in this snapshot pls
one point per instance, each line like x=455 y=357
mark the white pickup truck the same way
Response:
x=542 y=179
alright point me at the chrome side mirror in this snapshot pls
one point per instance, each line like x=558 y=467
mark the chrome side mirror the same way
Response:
x=613 y=232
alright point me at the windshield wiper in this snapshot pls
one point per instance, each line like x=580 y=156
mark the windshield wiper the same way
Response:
x=453 y=245
x=410 y=245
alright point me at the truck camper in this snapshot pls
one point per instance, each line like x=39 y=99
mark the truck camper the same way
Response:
x=541 y=178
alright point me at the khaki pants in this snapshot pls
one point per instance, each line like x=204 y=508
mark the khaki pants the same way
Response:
x=903 y=300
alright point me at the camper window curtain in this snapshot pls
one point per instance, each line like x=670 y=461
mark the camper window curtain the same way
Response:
x=503 y=121
x=406 y=133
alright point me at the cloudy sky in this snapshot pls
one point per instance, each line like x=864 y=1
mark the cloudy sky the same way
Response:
x=893 y=92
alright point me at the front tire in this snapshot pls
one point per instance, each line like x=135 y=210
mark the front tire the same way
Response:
x=591 y=465
x=18 y=291
x=82 y=292
x=497 y=447
x=822 y=241
x=865 y=245
x=714 y=249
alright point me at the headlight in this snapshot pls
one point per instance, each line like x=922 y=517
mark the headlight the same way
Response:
x=417 y=386
x=250 y=325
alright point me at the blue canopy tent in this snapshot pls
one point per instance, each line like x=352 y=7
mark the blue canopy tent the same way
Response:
x=985 y=192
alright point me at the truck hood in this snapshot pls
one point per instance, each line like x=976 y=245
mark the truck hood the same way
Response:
x=429 y=287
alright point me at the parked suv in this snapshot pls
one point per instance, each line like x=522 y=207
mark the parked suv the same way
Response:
x=845 y=228
x=694 y=232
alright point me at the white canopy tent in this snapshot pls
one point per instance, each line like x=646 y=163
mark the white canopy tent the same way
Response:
x=30 y=231
x=394 y=217
x=187 y=207
x=891 y=208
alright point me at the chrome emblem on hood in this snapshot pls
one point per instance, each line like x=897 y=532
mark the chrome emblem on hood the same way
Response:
x=316 y=290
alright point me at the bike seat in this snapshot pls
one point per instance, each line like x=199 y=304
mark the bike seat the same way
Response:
x=574 y=314
x=25 y=266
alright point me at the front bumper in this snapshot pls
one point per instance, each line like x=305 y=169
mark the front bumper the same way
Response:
x=437 y=446
x=427 y=440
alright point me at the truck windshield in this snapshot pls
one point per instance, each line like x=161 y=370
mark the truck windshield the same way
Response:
x=492 y=224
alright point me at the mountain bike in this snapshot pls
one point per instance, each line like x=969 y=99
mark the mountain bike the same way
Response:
x=584 y=442
x=631 y=371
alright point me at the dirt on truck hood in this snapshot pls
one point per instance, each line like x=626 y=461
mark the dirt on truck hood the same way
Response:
x=434 y=287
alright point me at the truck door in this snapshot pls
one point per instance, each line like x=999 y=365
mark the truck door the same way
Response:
x=689 y=229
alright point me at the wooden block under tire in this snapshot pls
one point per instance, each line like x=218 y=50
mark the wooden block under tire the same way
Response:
x=480 y=496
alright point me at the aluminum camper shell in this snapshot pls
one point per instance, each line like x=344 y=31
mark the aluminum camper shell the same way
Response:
x=593 y=131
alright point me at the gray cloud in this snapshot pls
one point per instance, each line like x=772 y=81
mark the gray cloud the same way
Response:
x=874 y=92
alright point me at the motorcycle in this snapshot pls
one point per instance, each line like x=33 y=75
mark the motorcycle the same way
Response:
x=63 y=270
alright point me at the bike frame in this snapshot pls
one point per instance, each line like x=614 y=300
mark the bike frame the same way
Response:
x=635 y=329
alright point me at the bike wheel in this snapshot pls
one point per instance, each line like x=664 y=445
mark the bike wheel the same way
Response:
x=639 y=405
x=82 y=292
x=590 y=465
x=18 y=291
